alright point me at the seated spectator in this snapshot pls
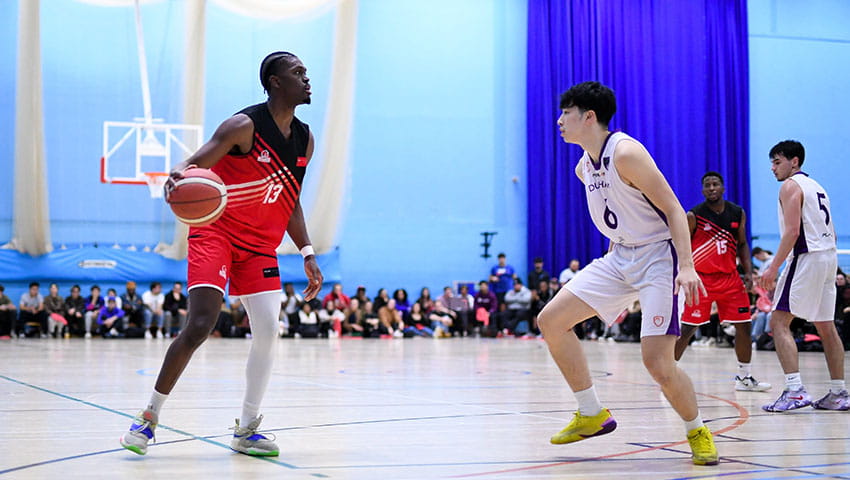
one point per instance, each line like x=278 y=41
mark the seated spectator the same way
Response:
x=331 y=317
x=7 y=315
x=516 y=317
x=361 y=296
x=75 y=310
x=32 y=313
x=153 y=313
x=390 y=319
x=554 y=286
x=486 y=305
x=402 y=304
x=381 y=299
x=416 y=324
x=353 y=324
x=426 y=301
x=94 y=303
x=175 y=307
x=133 y=306
x=630 y=324
x=308 y=321
x=539 y=298
x=111 y=292
x=109 y=319
x=462 y=304
x=54 y=305
x=568 y=273
x=443 y=317
x=372 y=327
x=537 y=275
x=342 y=301
x=290 y=304
x=237 y=311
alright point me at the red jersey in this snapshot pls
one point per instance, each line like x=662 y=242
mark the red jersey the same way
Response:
x=715 y=239
x=264 y=184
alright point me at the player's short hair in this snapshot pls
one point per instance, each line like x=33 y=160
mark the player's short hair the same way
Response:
x=789 y=149
x=268 y=66
x=711 y=173
x=591 y=96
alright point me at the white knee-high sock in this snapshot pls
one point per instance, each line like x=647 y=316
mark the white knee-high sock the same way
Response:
x=263 y=309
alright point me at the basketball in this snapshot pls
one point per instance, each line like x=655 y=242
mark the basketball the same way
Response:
x=199 y=197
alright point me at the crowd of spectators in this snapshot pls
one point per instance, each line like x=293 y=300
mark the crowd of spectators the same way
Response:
x=500 y=306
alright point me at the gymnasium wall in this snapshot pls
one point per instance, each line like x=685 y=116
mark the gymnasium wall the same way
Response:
x=799 y=68
x=438 y=131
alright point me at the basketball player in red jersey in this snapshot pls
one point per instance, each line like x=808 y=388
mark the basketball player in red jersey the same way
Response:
x=718 y=236
x=261 y=154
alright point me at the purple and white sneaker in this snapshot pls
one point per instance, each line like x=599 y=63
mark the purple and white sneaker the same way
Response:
x=834 y=401
x=789 y=400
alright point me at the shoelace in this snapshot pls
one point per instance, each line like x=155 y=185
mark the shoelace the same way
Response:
x=251 y=430
x=142 y=426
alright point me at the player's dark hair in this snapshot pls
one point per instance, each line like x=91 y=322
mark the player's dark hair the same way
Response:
x=789 y=149
x=711 y=173
x=268 y=66
x=591 y=96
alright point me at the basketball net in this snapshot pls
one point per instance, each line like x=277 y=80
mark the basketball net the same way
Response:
x=155 y=181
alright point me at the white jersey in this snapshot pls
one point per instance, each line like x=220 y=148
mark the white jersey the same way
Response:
x=817 y=232
x=621 y=212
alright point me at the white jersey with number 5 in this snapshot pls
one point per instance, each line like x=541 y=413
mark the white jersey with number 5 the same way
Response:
x=621 y=212
x=817 y=233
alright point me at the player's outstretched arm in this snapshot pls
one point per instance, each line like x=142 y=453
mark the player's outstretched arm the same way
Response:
x=791 y=199
x=636 y=167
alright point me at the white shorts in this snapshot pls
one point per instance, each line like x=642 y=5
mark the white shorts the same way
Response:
x=625 y=274
x=806 y=287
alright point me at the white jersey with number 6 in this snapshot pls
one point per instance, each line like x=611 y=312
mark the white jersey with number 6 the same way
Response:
x=621 y=212
x=817 y=232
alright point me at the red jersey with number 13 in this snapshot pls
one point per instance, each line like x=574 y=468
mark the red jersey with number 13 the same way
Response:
x=264 y=184
x=715 y=239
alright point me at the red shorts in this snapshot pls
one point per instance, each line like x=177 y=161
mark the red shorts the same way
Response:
x=214 y=259
x=727 y=289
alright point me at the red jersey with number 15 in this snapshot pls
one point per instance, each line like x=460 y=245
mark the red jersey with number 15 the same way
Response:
x=263 y=185
x=715 y=239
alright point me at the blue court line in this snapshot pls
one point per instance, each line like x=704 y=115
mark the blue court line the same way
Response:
x=110 y=410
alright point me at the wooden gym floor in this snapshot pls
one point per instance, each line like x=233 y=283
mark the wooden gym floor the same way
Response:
x=397 y=409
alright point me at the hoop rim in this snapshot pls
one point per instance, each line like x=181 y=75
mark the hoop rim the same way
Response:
x=155 y=181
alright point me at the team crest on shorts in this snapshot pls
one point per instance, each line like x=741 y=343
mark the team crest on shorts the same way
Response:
x=658 y=320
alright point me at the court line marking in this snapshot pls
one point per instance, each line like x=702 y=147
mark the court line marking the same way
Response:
x=771 y=468
x=116 y=412
x=743 y=416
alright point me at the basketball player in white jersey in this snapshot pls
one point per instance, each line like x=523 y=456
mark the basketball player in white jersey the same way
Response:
x=649 y=259
x=806 y=288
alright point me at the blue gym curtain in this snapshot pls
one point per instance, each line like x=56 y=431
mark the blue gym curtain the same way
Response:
x=679 y=70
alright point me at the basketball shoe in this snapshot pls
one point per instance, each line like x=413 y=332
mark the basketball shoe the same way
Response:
x=750 y=384
x=246 y=440
x=789 y=400
x=833 y=401
x=702 y=446
x=141 y=432
x=585 y=427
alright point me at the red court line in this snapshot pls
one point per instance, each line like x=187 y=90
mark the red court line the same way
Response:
x=743 y=416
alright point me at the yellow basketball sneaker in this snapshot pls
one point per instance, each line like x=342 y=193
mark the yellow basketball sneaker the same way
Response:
x=585 y=427
x=702 y=446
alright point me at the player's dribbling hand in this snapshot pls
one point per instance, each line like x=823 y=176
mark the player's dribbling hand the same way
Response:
x=314 y=278
x=173 y=177
x=688 y=282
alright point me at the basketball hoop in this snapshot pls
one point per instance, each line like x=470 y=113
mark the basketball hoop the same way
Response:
x=155 y=181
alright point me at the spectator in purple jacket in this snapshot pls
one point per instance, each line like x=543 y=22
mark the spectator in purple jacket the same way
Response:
x=486 y=303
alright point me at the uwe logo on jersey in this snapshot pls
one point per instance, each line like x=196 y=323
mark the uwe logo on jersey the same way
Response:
x=302 y=162
x=264 y=157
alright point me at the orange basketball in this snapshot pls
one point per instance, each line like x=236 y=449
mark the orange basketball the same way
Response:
x=199 y=198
